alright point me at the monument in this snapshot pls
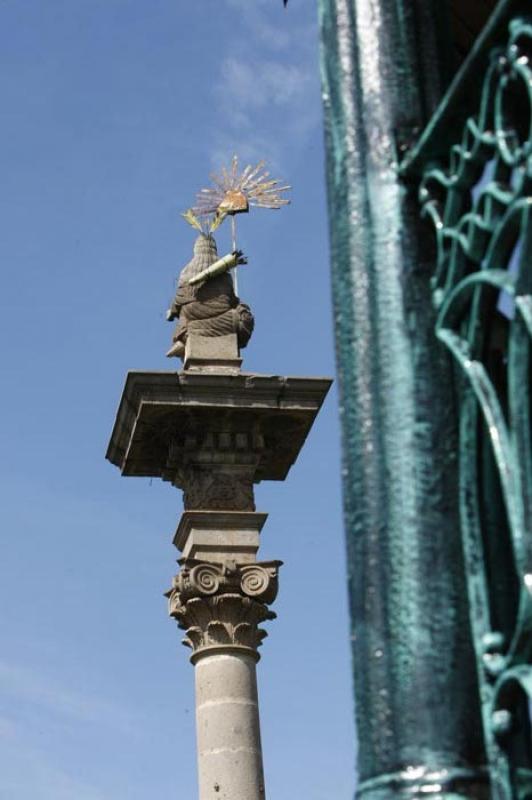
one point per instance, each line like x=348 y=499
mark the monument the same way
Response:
x=214 y=431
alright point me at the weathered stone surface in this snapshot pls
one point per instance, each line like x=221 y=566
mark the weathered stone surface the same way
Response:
x=205 y=302
x=199 y=578
x=228 y=732
x=215 y=471
x=220 y=599
x=228 y=487
x=219 y=536
x=212 y=353
x=214 y=434
x=221 y=593
x=222 y=622
x=170 y=421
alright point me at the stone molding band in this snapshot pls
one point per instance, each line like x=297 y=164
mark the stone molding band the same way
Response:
x=224 y=650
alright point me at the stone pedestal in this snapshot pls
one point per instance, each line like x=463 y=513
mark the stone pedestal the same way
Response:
x=214 y=432
x=212 y=354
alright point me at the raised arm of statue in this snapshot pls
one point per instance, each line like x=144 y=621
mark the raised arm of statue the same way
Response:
x=224 y=264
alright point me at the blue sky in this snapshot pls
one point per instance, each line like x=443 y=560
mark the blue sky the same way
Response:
x=112 y=114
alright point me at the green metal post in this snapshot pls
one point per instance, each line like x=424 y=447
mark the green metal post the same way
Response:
x=416 y=694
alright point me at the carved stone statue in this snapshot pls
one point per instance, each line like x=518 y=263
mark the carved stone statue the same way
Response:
x=205 y=302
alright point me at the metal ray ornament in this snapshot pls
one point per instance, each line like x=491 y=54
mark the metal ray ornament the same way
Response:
x=234 y=192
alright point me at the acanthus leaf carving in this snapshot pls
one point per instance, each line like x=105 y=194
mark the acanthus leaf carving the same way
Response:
x=223 y=605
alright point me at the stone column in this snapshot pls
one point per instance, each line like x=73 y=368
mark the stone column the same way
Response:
x=220 y=598
x=214 y=432
x=228 y=734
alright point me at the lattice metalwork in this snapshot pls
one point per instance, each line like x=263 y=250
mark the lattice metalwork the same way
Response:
x=480 y=207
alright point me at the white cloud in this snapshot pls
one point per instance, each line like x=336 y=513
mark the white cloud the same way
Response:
x=267 y=94
x=259 y=84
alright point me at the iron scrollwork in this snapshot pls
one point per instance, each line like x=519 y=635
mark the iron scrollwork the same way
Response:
x=480 y=208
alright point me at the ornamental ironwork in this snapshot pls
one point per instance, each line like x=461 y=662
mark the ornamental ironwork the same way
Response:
x=480 y=205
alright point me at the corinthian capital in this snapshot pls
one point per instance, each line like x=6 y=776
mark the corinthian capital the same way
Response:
x=222 y=605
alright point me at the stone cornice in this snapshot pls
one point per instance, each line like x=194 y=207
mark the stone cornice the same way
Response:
x=160 y=411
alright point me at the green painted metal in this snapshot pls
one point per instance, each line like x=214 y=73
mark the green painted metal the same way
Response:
x=478 y=201
x=417 y=699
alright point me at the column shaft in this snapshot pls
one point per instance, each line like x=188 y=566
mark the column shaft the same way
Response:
x=416 y=694
x=228 y=733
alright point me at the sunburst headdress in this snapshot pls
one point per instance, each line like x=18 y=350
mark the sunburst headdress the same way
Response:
x=233 y=192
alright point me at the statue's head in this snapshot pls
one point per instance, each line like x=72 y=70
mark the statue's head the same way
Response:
x=205 y=254
x=205 y=247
